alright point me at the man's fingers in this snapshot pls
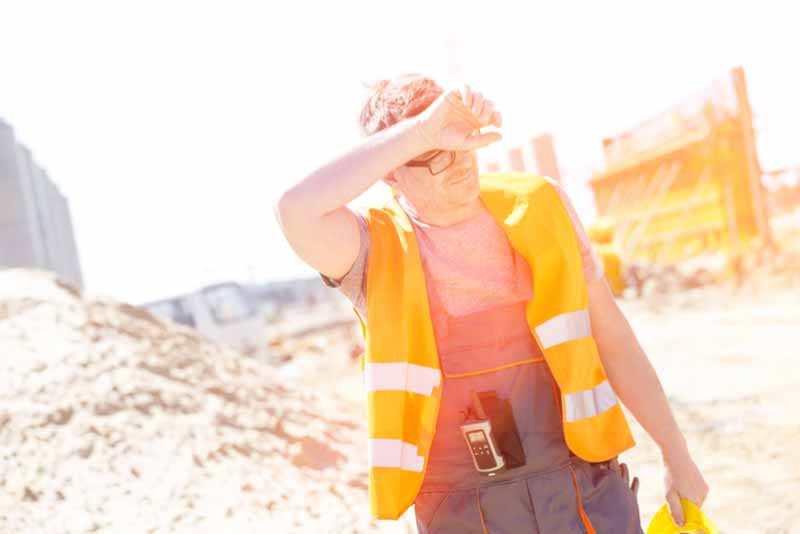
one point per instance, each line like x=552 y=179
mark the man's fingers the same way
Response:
x=625 y=474
x=456 y=104
x=486 y=114
x=497 y=119
x=697 y=500
x=466 y=110
x=675 y=509
x=477 y=104
x=614 y=465
x=454 y=96
x=481 y=140
x=467 y=97
x=473 y=107
x=460 y=111
x=701 y=498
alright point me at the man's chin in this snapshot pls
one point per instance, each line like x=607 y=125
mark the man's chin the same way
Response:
x=467 y=191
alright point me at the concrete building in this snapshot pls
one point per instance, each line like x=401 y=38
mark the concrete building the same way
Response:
x=538 y=156
x=544 y=156
x=35 y=223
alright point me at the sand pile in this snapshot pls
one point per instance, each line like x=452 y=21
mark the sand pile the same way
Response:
x=728 y=360
x=114 y=421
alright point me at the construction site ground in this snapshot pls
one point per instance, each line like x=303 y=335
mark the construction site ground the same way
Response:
x=111 y=421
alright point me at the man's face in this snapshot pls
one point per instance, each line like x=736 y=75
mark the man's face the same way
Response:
x=454 y=185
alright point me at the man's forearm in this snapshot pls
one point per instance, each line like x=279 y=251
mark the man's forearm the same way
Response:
x=630 y=372
x=335 y=184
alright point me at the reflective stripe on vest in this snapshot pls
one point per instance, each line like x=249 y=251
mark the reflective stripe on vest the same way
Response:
x=563 y=328
x=590 y=402
x=401 y=376
x=394 y=453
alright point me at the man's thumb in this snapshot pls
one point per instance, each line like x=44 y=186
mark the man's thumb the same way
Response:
x=675 y=508
x=481 y=140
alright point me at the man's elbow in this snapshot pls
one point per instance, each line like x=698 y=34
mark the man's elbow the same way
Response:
x=288 y=211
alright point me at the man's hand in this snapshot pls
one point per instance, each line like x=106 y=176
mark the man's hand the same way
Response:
x=451 y=122
x=682 y=478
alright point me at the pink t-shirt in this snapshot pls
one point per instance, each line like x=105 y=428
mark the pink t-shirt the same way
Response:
x=471 y=265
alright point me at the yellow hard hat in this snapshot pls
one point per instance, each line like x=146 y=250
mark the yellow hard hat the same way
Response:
x=695 y=522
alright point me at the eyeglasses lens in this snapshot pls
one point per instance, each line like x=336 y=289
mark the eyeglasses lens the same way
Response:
x=442 y=161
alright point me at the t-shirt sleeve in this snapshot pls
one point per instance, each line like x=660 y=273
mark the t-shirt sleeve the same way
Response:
x=592 y=267
x=353 y=284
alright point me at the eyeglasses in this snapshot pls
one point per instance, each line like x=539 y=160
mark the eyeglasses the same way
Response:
x=439 y=162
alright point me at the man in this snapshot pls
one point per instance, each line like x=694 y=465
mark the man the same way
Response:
x=471 y=286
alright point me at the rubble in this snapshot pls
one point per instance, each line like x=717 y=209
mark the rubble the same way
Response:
x=112 y=420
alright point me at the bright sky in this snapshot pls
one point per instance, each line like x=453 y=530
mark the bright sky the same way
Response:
x=172 y=127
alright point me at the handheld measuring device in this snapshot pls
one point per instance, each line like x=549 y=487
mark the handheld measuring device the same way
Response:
x=481 y=443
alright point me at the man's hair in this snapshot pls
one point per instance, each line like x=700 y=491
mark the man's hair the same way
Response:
x=391 y=101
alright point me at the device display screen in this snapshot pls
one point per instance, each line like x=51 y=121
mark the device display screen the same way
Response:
x=476 y=437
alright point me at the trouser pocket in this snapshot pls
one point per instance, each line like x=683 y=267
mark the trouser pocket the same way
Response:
x=555 y=503
x=507 y=508
x=607 y=500
x=426 y=505
x=446 y=513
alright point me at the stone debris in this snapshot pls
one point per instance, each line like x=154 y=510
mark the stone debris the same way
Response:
x=113 y=420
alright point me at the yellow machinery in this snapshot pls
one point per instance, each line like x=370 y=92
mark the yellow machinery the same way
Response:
x=686 y=182
x=601 y=234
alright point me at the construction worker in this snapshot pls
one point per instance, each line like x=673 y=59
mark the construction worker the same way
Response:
x=486 y=288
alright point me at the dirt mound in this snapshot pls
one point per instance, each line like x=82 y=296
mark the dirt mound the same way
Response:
x=114 y=420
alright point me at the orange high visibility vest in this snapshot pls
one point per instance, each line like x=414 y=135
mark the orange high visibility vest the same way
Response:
x=402 y=377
